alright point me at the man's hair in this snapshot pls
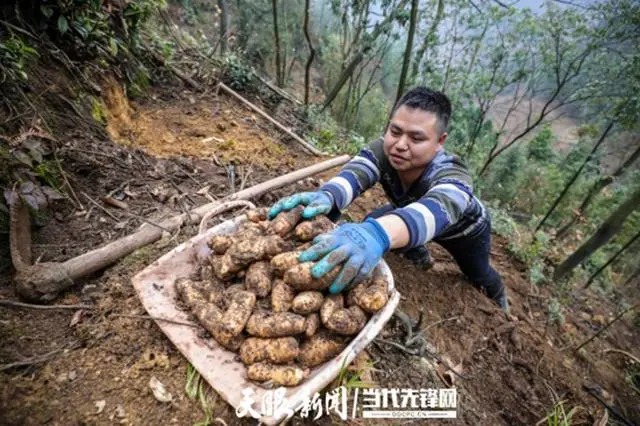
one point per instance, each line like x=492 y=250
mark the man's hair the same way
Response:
x=428 y=100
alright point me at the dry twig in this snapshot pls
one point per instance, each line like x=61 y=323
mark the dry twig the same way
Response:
x=14 y=304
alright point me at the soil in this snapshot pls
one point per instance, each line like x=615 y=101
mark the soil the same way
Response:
x=515 y=368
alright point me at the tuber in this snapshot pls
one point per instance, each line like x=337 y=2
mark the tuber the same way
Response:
x=299 y=277
x=286 y=221
x=308 y=230
x=373 y=295
x=347 y=321
x=330 y=304
x=282 y=296
x=263 y=324
x=277 y=350
x=257 y=215
x=311 y=324
x=307 y=302
x=258 y=278
x=320 y=348
x=285 y=375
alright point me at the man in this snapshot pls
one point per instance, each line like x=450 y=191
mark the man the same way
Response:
x=431 y=194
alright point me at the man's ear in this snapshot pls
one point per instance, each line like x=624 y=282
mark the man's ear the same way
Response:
x=443 y=137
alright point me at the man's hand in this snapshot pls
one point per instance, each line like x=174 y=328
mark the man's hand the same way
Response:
x=359 y=246
x=318 y=202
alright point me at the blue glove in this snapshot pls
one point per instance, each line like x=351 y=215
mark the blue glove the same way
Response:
x=318 y=202
x=359 y=246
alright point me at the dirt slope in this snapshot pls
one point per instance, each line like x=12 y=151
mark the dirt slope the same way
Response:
x=514 y=370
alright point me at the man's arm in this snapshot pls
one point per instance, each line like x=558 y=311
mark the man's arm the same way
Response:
x=419 y=222
x=361 y=246
x=358 y=175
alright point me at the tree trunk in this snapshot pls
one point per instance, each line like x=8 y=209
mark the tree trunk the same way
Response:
x=611 y=260
x=417 y=60
x=274 y=11
x=312 y=52
x=407 y=50
x=474 y=56
x=597 y=187
x=576 y=174
x=224 y=25
x=357 y=58
x=608 y=229
x=450 y=60
x=476 y=132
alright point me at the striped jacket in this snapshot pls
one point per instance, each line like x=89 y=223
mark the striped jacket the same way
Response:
x=440 y=205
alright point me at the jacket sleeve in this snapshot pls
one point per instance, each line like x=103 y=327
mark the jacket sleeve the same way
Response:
x=358 y=175
x=441 y=207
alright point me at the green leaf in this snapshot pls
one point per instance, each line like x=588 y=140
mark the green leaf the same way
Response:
x=27 y=187
x=63 y=24
x=51 y=193
x=36 y=154
x=46 y=11
x=113 y=46
x=22 y=157
x=30 y=200
x=9 y=196
x=81 y=30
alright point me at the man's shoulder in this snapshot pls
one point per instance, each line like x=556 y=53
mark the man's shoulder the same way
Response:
x=449 y=168
x=374 y=152
x=450 y=160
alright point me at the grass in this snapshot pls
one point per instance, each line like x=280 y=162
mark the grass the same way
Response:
x=559 y=416
x=554 y=309
x=633 y=377
x=196 y=388
x=351 y=377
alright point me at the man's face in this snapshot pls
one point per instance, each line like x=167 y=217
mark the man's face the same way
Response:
x=412 y=139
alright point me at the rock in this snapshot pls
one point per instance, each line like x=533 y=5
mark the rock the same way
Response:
x=569 y=328
x=585 y=316
x=100 y=405
x=598 y=319
x=120 y=411
x=159 y=391
x=73 y=375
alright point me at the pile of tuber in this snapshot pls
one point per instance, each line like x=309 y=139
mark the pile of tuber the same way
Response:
x=255 y=298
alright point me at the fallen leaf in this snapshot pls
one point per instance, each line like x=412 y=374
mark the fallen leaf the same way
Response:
x=100 y=405
x=76 y=318
x=73 y=375
x=159 y=391
x=447 y=376
x=602 y=421
x=204 y=190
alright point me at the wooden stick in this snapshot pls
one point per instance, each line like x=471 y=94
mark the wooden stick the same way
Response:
x=191 y=82
x=606 y=326
x=593 y=391
x=31 y=361
x=149 y=317
x=306 y=145
x=15 y=304
x=95 y=203
x=66 y=181
x=620 y=351
x=115 y=203
x=223 y=207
